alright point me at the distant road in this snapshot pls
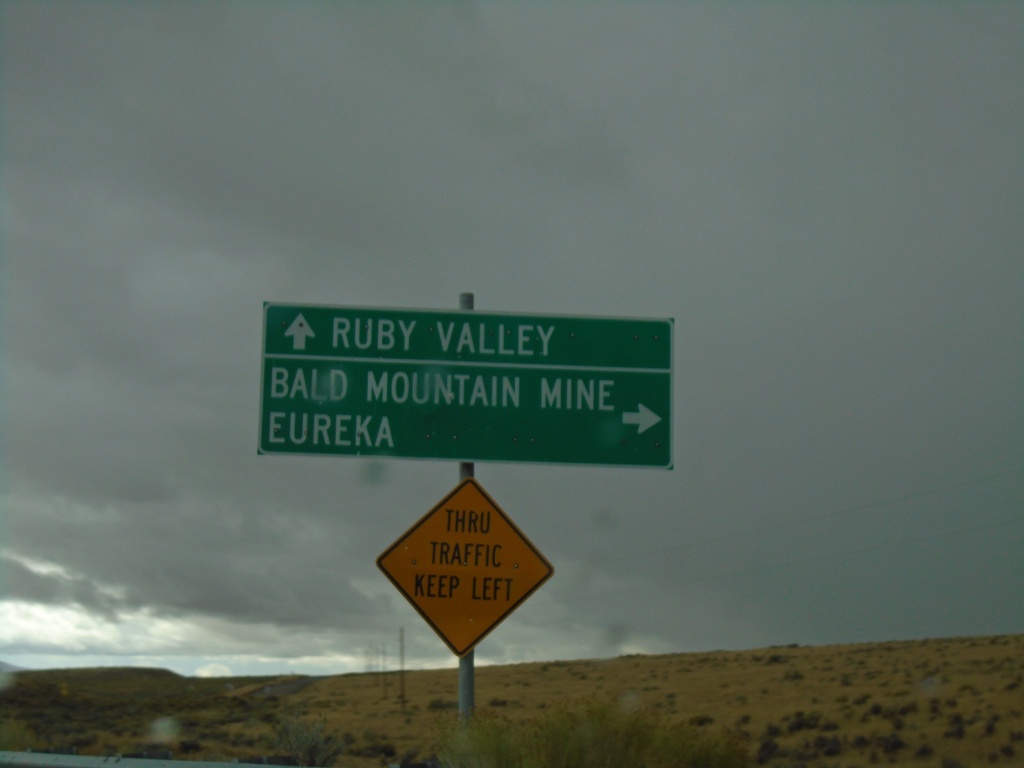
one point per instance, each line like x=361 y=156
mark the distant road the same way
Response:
x=286 y=687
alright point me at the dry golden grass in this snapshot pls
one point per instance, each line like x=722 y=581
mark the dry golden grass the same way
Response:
x=923 y=703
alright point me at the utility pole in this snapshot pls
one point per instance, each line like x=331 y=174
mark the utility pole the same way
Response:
x=401 y=668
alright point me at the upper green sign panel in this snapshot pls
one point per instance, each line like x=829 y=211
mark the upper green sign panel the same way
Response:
x=466 y=385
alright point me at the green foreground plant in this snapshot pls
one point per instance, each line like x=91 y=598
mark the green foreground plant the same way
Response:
x=15 y=736
x=591 y=735
x=307 y=742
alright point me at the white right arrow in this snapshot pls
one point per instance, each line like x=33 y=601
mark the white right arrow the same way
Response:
x=299 y=330
x=643 y=417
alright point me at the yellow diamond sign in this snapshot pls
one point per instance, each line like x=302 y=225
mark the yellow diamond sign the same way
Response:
x=465 y=566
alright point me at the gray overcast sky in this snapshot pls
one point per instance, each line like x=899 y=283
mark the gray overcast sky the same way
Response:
x=825 y=197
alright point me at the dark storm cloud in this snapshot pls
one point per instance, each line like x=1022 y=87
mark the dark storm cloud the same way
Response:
x=825 y=198
x=358 y=127
x=22 y=582
x=257 y=565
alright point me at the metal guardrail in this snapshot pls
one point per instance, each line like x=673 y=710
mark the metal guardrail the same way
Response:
x=47 y=760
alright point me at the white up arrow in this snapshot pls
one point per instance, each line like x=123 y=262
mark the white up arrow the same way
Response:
x=643 y=417
x=299 y=330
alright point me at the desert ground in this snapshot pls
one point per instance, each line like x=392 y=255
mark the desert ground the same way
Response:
x=948 y=703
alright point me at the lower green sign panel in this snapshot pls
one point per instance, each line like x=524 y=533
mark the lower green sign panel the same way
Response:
x=465 y=411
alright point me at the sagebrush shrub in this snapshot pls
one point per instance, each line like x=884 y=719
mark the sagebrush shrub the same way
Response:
x=307 y=742
x=589 y=735
x=15 y=736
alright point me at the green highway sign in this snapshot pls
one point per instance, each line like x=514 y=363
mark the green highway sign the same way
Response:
x=466 y=385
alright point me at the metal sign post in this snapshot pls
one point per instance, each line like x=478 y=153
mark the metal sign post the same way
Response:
x=467 y=663
x=465 y=566
x=466 y=386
